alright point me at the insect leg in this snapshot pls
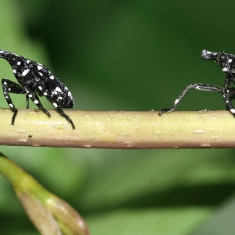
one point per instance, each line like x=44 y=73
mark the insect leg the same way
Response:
x=196 y=86
x=27 y=102
x=226 y=96
x=230 y=91
x=33 y=96
x=227 y=82
x=11 y=87
x=61 y=112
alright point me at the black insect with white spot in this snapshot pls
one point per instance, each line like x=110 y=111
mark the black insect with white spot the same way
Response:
x=35 y=79
x=227 y=63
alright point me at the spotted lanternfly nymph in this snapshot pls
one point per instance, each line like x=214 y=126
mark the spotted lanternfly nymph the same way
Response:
x=35 y=79
x=227 y=63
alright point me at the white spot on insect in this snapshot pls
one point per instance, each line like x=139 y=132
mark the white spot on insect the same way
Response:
x=40 y=88
x=40 y=64
x=39 y=67
x=18 y=63
x=54 y=92
x=52 y=77
x=176 y=101
x=232 y=110
x=11 y=105
x=36 y=101
x=30 y=96
x=225 y=69
x=60 y=98
x=14 y=71
x=40 y=74
x=66 y=88
x=25 y=72
x=230 y=60
x=6 y=97
x=5 y=83
x=9 y=89
x=226 y=101
x=69 y=94
x=58 y=89
x=28 y=61
x=45 y=93
x=55 y=105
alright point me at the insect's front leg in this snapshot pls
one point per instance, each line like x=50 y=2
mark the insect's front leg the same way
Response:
x=228 y=92
x=226 y=96
x=11 y=87
x=196 y=86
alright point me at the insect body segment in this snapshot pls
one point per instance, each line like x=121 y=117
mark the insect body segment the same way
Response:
x=35 y=79
x=227 y=63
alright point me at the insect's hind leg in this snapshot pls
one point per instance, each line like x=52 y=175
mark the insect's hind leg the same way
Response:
x=11 y=87
x=61 y=112
x=196 y=86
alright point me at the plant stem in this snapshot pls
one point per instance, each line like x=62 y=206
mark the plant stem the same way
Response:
x=119 y=129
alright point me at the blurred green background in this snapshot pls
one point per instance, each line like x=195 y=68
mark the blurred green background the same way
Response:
x=124 y=55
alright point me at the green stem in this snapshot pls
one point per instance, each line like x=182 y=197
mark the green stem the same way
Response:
x=120 y=130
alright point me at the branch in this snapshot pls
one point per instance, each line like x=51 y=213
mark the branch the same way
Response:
x=119 y=129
